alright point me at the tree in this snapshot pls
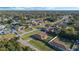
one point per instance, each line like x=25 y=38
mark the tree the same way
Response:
x=12 y=45
x=69 y=33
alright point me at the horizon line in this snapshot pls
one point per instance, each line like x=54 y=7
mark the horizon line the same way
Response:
x=39 y=8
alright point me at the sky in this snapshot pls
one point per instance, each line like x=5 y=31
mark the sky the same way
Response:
x=39 y=8
x=39 y=3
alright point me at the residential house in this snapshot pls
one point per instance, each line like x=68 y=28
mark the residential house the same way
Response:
x=21 y=28
x=57 y=44
x=53 y=30
x=1 y=29
x=40 y=36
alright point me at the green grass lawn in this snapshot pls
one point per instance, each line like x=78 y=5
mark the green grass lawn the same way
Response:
x=30 y=34
x=40 y=45
x=7 y=36
x=50 y=23
x=28 y=29
x=39 y=26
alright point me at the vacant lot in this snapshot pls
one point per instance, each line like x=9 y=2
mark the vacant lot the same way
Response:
x=40 y=45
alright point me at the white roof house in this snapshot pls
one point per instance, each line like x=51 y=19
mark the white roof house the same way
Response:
x=5 y=19
x=2 y=26
x=2 y=29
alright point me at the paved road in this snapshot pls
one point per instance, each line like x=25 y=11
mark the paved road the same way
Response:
x=64 y=17
x=28 y=32
x=53 y=39
x=26 y=43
